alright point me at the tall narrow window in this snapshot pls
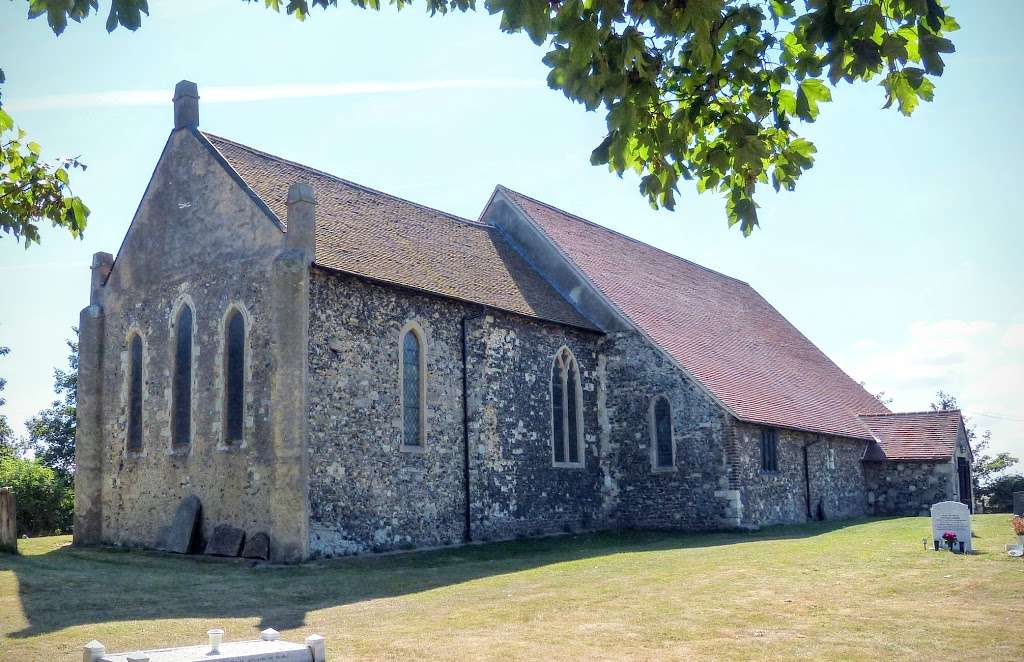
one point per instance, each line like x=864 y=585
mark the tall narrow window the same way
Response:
x=661 y=416
x=181 y=390
x=412 y=390
x=558 y=412
x=566 y=410
x=234 y=377
x=135 y=393
x=769 y=449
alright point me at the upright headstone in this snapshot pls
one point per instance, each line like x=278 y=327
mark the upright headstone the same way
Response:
x=1018 y=503
x=183 y=527
x=952 y=516
x=8 y=521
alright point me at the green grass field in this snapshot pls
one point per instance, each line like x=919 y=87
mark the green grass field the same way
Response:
x=848 y=590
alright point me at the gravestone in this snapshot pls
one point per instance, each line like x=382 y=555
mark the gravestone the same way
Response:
x=8 y=521
x=952 y=516
x=257 y=546
x=226 y=541
x=1018 y=503
x=180 y=534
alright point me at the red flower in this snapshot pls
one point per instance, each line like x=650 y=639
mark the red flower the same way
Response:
x=949 y=536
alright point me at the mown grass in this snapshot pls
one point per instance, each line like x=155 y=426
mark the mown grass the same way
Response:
x=852 y=590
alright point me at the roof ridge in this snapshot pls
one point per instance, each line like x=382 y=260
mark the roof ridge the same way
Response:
x=347 y=182
x=916 y=413
x=623 y=235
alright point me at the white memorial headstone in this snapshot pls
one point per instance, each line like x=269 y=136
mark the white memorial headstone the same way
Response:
x=952 y=516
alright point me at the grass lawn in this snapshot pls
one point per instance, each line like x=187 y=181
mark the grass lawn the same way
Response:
x=861 y=589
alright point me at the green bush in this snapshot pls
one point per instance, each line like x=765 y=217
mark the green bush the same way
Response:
x=45 y=502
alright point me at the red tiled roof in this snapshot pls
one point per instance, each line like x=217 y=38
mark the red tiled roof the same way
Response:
x=368 y=233
x=717 y=328
x=924 y=435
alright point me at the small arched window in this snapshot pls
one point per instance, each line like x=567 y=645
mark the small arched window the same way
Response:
x=234 y=377
x=181 y=389
x=135 y=393
x=661 y=433
x=566 y=410
x=413 y=391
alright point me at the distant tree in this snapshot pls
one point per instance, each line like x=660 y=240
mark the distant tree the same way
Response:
x=700 y=90
x=52 y=431
x=45 y=501
x=984 y=467
x=880 y=396
x=1000 y=492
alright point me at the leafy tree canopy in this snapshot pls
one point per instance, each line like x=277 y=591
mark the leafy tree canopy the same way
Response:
x=32 y=189
x=700 y=90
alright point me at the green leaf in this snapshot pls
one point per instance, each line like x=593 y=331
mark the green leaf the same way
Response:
x=810 y=92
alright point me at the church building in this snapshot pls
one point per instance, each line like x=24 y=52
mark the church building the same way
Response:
x=346 y=371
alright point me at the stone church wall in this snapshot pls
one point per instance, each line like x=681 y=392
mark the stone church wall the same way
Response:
x=183 y=248
x=368 y=494
x=780 y=497
x=365 y=493
x=687 y=496
x=517 y=491
x=908 y=488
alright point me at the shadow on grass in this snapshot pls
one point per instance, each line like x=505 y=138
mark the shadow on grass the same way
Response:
x=75 y=586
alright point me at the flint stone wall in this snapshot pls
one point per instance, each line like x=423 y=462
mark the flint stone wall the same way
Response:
x=908 y=488
x=366 y=493
x=688 y=495
x=780 y=497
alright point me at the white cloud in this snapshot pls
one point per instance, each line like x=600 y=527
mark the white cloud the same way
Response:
x=980 y=362
x=240 y=93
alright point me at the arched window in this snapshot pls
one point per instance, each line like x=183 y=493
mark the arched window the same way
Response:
x=661 y=433
x=413 y=388
x=234 y=376
x=135 y=393
x=566 y=410
x=181 y=389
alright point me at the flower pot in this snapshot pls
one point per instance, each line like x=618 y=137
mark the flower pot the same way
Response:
x=961 y=546
x=936 y=545
x=949 y=545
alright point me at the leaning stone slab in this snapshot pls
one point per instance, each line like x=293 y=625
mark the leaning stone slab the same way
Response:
x=952 y=516
x=257 y=546
x=226 y=541
x=182 y=531
x=1018 y=503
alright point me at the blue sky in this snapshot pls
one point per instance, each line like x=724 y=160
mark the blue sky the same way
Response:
x=899 y=254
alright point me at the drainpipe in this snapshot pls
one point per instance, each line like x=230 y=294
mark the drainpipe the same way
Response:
x=807 y=474
x=468 y=531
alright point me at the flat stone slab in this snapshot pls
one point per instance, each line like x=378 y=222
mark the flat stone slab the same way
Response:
x=257 y=546
x=238 y=651
x=226 y=541
x=181 y=532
